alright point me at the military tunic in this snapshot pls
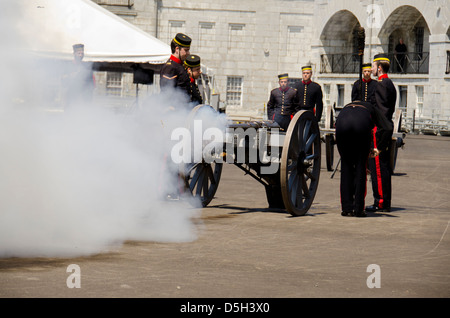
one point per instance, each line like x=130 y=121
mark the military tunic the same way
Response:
x=174 y=75
x=386 y=96
x=281 y=105
x=368 y=91
x=194 y=93
x=310 y=97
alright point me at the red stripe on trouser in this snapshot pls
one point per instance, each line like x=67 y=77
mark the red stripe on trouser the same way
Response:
x=365 y=185
x=378 y=170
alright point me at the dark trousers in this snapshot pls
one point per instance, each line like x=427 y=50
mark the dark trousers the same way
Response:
x=380 y=173
x=353 y=139
x=282 y=120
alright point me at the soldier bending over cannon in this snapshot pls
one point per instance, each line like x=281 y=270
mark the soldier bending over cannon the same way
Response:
x=354 y=138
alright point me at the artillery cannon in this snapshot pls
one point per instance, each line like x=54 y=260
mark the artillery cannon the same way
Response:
x=296 y=154
x=288 y=165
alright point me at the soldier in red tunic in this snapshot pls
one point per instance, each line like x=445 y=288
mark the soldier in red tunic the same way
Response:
x=173 y=74
x=380 y=168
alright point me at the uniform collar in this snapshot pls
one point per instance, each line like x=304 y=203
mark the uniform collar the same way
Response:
x=175 y=59
x=192 y=79
x=382 y=76
x=284 y=89
x=367 y=81
x=306 y=83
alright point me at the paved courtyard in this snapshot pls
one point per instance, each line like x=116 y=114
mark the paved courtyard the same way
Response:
x=244 y=250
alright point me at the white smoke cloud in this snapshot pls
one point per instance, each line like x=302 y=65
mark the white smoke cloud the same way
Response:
x=82 y=182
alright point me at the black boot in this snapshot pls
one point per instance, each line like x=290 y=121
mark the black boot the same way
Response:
x=347 y=213
x=374 y=208
x=361 y=214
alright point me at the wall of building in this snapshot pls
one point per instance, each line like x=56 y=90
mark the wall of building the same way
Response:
x=253 y=40
x=382 y=19
x=259 y=39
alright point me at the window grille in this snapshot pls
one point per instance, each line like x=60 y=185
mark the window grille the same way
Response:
x=419 y=31
x=234 y=90
x=340 y=97
x=419 y=99
x=114 y=83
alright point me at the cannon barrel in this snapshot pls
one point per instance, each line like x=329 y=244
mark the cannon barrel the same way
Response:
x=254 y=124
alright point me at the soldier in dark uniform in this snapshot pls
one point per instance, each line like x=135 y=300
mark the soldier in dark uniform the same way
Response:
x=193 y=67
x=354 y=139
x=173 y=74
x=380 y=168
x=309 y=93
x=78 y=81
x=368 y=86
x=282 y=102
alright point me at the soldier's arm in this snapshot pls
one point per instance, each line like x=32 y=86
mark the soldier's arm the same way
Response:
x=297 y=99
x=381 y=98
x=270 y=105
x=295 y=102
x=167 y=80
x=384 y=128
x=319 y=104
x=355 y=91
x=196 y=95
x=168 y=76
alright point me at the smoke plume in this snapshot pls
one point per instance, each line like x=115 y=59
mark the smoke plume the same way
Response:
x=82 y=182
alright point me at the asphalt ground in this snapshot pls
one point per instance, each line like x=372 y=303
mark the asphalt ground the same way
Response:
x=245 y=250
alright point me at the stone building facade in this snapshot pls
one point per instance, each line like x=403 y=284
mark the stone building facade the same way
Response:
x=422 y=84
x=244 y=45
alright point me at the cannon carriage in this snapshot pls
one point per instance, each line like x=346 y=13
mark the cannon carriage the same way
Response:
x=287 y=163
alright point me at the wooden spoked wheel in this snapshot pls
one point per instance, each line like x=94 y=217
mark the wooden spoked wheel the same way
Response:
x=201 y=178
x=300 y=163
